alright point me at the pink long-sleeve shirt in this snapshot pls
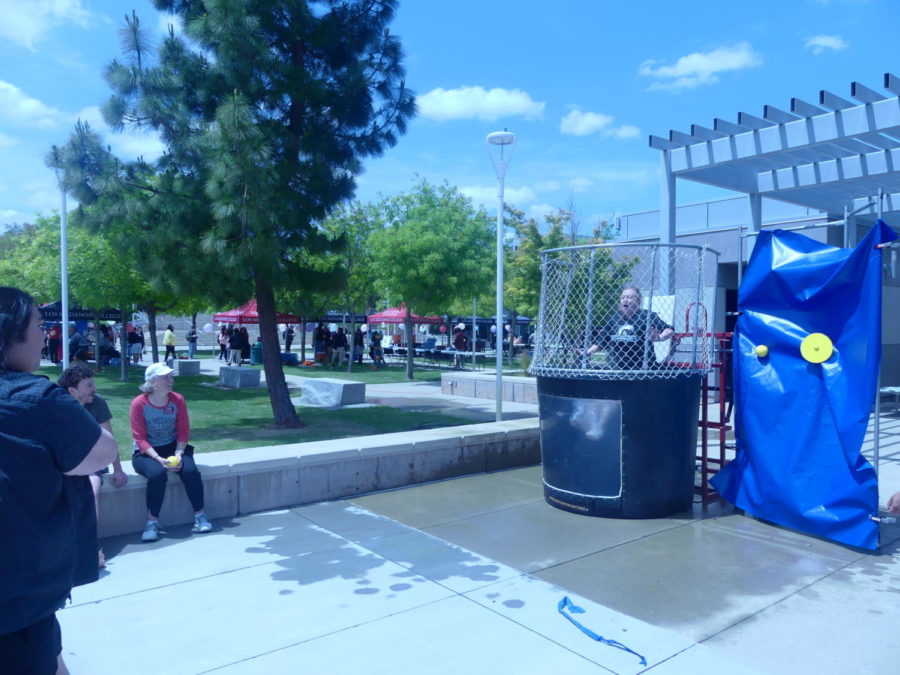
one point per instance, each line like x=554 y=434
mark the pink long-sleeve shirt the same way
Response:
x=153 y=426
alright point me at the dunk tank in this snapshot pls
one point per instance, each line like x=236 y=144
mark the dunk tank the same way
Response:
x=621 y=349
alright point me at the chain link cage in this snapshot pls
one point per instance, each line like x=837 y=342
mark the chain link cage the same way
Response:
x=625 y=311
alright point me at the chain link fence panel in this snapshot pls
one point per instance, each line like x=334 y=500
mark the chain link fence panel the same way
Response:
x=624 y=312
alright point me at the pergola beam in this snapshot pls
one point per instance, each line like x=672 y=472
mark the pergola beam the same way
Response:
x=825 y=156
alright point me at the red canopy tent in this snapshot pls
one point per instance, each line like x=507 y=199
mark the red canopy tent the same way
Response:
x=398 y=315
x=247 y=313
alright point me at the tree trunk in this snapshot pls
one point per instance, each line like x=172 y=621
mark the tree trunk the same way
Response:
x=302 y=328
x=124 y=348
x=282 y=409
x=151 y=326
x=410 y=343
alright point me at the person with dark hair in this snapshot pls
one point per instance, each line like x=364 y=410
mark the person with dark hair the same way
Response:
x=191 y=337
x=288 y=338
x=245 y=343
x=358 y=345
x=222 y=340
x=78 y=380
x=53 y=335
x=48 y=438
x=78 y=344
x=338 y=348
x=161 y=430
x=135 y=346
x=169 y=342
x=319 y=336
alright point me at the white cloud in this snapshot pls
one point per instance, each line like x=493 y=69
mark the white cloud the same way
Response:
x=547 y=185
x=486 y=197
x=478 y=103
x=820 y=43
x=539 y=212
x=580 y=123
x=6 y=141
x=700 y=68
x=19 y=109
x=580 y=184
x=625 y=131
x=25 y=22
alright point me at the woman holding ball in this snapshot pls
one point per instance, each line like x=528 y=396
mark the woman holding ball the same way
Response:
x=161 y=429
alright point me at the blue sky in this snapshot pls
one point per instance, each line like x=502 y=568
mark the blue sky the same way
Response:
x=583 y=83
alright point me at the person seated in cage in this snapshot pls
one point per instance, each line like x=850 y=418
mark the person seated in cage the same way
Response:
x=627 y=335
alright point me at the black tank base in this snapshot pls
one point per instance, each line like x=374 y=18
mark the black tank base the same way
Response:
x=618 y=507
x=621 y=448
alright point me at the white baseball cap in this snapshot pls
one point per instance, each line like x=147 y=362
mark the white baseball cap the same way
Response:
x=156 y=370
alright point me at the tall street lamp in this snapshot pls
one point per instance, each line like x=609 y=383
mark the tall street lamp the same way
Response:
x=63 y=256
x=500 y=146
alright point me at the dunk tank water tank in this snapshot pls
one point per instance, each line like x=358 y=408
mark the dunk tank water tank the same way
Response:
x=620 y=352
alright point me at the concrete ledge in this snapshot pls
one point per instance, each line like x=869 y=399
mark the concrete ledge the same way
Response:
x=330 y=391
x=516 y=388
x=238 y=378
x=256 y=479
x=186 y=366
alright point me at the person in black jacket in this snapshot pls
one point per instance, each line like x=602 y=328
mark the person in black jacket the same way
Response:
x=50 y=445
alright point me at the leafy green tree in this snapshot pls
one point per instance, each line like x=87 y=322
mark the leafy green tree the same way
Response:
x=352 y=225
x=522 y=293
x=436 y=248
x=267 y=109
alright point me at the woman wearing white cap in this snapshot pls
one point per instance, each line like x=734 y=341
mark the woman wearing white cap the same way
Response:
x=161 y=429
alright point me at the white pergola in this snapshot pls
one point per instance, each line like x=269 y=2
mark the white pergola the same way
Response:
x=840 y=156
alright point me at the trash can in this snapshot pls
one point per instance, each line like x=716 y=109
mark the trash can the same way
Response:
x=620 y=353
x=256 y=355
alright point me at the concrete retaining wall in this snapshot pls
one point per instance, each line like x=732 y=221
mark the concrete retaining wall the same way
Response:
x=484 y=385
x=255 y=479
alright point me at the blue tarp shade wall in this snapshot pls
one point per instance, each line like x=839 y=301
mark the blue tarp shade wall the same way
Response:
x=800 y=425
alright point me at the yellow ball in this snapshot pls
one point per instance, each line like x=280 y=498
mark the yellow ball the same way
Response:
x=762 y=351
x=173 y=460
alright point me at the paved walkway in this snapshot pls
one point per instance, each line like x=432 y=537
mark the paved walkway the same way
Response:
x=466 y=575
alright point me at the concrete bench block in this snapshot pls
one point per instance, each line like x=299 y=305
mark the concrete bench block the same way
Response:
x=329 y=391
x=420 y=467
x=265 y=490
x=186 y=366
x=238 y=378
x=352 y=477
x=124 y=510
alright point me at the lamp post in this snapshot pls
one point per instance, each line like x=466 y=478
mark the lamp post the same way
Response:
x=500 y=146
x=63 y=258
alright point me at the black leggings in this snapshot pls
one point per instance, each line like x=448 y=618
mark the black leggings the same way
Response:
x=157 y=476
x=170 y=349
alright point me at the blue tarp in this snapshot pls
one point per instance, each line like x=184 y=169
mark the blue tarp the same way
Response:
x=799 y=425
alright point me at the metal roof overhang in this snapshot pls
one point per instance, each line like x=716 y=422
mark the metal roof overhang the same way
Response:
x=837 y=156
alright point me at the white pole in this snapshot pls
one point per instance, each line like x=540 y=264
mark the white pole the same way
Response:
x=499 y=333
x=64 y=277
x=501 y=138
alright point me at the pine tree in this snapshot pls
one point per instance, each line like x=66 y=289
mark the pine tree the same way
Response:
x=267 y=109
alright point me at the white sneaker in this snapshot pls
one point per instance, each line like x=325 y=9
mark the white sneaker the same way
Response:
x=151 y=531
x=202 y=524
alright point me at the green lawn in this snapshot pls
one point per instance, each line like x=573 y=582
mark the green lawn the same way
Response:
x=226 y=419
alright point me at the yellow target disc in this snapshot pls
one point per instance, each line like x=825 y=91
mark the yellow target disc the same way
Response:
x=816 y=348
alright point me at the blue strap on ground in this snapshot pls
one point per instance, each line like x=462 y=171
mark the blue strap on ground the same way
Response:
x=565 y=603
